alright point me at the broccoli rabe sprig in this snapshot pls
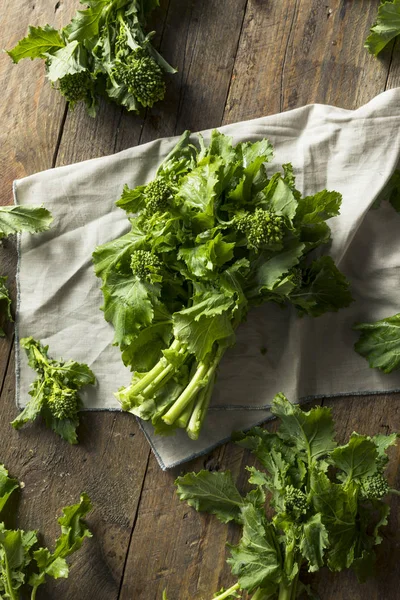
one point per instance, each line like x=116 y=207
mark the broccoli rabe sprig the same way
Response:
x=327 y=503
x=55 y=391
x=104 y=51
x=214 y=234
x=24 y=564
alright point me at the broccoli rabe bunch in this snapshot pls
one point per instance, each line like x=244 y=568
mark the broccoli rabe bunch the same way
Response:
x=215 y=233
x=328 y=503
x=24 y=564
x=54 y=391
x=103 y=51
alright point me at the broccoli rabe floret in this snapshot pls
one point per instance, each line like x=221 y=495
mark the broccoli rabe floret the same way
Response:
x=146 y=265
x=63 y=403
x=374 y=487
x=75 y=87
x=261 y=228
x=295 y=501
x=156 y=194
x=143 y=78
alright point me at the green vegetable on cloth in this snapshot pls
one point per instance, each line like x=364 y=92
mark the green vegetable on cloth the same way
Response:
x=24 y=563
x=328 y=501
x=214 y=234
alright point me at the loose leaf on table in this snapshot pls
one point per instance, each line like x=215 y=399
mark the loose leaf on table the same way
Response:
x=326 y=503
x=7 y=486
x=211 y=492
x=386 y=28
x=5 y=303
x=73 y=532
x=14 y=219
x=54 y=392
x=39 y=42
x=379 y=343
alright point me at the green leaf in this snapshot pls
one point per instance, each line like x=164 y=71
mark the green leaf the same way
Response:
x=5 y=303
x=320 y=207
x=39 y=42
x=324 y=289
x=65 y=61
x=205 y=258
x=338 y=506
x=386 y=28
x=313 y=542
x=7 y=486
x=85 y=23
x=14 y=219
x=132 y=200
x=272 y=269
x=382 y=443
x=201 y=332
x=256 y=559
x=117 y=252
x=197 y=189
x=280 y=197
x=127 y=305
x=311 y=432
x=357 y=459
x=379 y=343
x=73 y=533
x=144 y=351
x=211 y=492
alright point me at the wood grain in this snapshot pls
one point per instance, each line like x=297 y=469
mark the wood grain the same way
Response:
x=236 y=59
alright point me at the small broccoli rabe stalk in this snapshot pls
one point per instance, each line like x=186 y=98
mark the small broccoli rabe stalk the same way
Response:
x=54 y=391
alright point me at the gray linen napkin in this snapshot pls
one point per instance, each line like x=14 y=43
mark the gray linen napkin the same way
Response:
x=353 y=152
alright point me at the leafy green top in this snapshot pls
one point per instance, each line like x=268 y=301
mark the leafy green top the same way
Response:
x=327 y=501
x=54 y=391
x=102 y=51
x=23 y=561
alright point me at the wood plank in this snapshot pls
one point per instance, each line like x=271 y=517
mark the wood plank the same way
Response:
x=296 y=53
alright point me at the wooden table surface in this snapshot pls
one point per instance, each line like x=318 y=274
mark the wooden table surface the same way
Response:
x=237 y=59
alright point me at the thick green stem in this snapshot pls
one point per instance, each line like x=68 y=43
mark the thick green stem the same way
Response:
x=8 y=579
x=161 y=379
x=393 y=491
x=183 y=420
x=33 y=595
x=188 y=393
x=200 y=409
x=154 y=372
x=228 y=593
x=288 y=591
